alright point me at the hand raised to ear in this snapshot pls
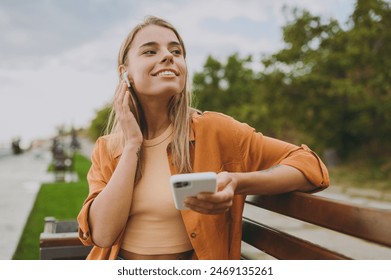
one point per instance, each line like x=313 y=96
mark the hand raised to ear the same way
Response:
x=127 y=120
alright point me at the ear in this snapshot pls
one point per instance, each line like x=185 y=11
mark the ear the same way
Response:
x=121 y=69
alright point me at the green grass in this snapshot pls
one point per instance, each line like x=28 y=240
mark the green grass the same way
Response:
x=363 y=173
x=60 y=200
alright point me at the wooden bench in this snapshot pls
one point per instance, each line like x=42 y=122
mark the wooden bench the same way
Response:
x=59 y=241
x=263 y=235
x=345 y=224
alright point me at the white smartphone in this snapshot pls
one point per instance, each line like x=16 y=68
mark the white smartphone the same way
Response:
x=190 y=184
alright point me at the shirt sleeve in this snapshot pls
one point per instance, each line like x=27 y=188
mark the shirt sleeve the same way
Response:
x=97 y=177
x=260 y=152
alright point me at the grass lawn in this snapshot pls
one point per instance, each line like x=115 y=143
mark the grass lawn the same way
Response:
x=60 y=200
x=364 y=174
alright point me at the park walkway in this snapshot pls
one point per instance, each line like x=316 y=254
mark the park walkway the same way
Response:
x=20 y=179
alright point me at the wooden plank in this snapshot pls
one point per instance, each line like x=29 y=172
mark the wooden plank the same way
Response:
x=367 y=223
x=59 y=239
x=65 y=253
x=284 y=246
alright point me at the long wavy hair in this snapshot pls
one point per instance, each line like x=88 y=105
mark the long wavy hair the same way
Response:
x=179 y=108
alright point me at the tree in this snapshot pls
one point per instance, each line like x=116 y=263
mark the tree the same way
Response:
x=207 y=86
x=99 y=123
x=227 y=87
x=338 y=80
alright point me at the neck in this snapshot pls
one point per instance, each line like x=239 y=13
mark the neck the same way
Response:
x=156 y=117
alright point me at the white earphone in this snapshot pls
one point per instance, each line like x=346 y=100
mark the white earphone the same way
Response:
x=125 y=77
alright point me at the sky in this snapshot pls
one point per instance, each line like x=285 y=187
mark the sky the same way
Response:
x=58 y=58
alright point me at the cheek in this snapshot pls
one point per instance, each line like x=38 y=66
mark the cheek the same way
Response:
x=183 y=67
x=183 y=70
x=139 y=80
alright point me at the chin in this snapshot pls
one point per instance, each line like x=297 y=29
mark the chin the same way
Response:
x=171 y=91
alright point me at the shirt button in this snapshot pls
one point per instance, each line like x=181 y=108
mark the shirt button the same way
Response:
x=193 y=235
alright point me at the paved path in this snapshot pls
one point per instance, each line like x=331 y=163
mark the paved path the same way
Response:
x=20 y=180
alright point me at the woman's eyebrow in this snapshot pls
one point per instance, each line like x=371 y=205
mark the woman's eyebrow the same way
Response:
x=175 y=43
x=154 y=44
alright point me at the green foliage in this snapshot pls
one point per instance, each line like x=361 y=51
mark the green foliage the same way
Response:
x=232 y=88
x=60 y=200
x=99 y=123
x=340 y=80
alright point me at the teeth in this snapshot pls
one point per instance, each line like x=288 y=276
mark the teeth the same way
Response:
x=166 y=73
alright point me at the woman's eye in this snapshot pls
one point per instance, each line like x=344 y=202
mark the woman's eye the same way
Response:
x=176 y=52
x=149 y=52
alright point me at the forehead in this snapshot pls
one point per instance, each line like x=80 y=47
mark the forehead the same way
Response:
x=154 y=33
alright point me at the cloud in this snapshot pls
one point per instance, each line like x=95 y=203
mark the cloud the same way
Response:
x=32 y=30
x=242 y=26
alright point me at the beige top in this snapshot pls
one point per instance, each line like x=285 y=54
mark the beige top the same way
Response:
x=155 y=226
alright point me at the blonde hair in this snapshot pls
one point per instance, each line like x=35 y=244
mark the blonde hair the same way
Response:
x=179 y=108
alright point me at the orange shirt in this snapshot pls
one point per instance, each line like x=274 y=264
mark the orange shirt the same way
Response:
x=219 y=143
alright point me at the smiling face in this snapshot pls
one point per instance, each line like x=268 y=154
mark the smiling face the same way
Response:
x=156 y=63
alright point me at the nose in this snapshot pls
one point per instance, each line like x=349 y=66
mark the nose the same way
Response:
x=167 y=57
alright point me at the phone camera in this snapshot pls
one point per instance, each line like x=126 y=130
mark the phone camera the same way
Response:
x=181 y=184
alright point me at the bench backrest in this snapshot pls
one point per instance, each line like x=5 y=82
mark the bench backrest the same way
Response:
x=366 y=223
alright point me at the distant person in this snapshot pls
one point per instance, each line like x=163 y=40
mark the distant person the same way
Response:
x=15 y=145
x=75 y=144
x=56 y=146
x=129 y=212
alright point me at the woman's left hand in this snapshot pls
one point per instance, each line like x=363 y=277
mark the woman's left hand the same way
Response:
x=218 y=202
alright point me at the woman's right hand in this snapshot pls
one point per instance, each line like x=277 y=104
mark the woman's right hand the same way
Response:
x=127 y=120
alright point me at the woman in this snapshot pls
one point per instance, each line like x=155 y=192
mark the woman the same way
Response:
x=129 y=212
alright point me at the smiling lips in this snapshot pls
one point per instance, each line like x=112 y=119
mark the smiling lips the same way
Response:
x=166 y=73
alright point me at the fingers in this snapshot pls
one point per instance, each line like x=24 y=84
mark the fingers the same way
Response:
x=121 y=103
x=218 y=202
x=207 y=207
x=119 y=97
x=208 y=203
x=119 y=90
x=125 y=117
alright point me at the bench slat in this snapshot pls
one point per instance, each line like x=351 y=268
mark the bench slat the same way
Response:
x=359 y=221
x=66 y=252
x=59 y=239
x=284 y=246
